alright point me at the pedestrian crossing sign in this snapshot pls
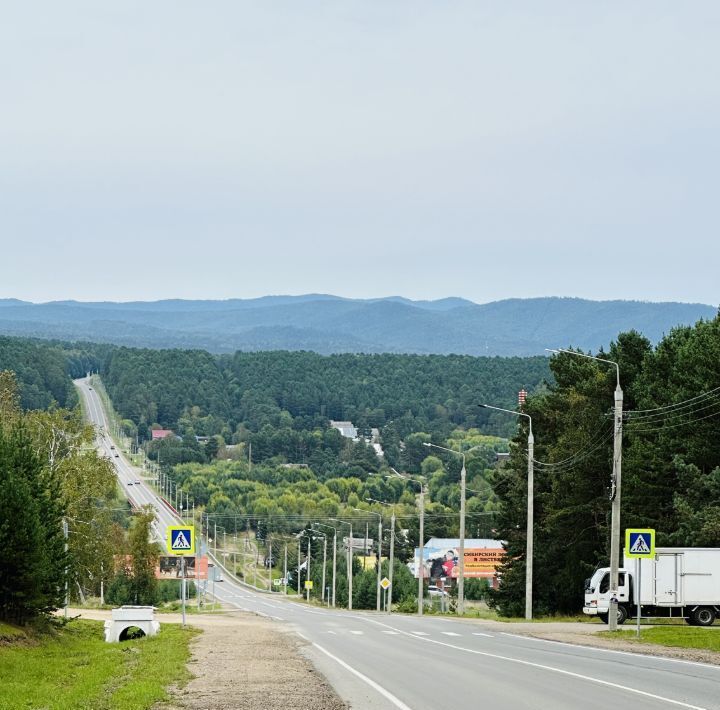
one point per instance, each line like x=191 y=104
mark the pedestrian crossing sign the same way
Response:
x=639 y=542
x=181 y=539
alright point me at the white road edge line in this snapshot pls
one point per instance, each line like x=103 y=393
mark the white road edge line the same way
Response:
x=385 y=693
x=562 y=671
x=709 y=666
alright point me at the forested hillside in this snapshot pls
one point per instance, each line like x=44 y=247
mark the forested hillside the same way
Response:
x=43 y=370
x=330 y=324
x=670 y=470
x=281 y=402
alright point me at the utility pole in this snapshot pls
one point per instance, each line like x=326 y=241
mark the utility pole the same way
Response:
x=461 y=551
x=392 y=560
x=285 y=572
x=299 y=589
x=324 y=566
x=334 y=566
x=350 y=570
x=309 y=539
x=270 y=561
x=421 y=568
x=615 y=514
x=615 y=487
x=379 y=561
x=529 y=553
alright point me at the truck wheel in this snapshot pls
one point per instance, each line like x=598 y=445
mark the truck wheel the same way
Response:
x=622 y=615
x=703 y=616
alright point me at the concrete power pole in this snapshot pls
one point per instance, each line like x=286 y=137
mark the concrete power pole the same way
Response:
x=615 y=517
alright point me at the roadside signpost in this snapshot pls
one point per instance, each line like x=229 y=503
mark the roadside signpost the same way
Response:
x=181 y=541
x=385 y=584
x=639 y=544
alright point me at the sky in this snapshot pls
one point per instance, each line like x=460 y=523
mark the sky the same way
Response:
x=482 y=149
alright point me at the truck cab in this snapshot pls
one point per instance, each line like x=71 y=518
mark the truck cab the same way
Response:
x=597 y=594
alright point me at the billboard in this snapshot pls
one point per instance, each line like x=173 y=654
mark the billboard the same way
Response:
x=442 y=562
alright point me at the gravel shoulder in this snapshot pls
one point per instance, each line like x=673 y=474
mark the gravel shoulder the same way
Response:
x=244 y=662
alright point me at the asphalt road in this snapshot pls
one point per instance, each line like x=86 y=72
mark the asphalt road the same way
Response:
x=397 y=661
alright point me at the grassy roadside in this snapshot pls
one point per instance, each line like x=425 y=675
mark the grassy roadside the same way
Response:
x=677 y=637
x=72 y=667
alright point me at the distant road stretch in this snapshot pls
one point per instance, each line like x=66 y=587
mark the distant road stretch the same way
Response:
x=398 y=661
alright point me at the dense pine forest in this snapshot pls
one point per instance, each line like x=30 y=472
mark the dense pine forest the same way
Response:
x=254 y=442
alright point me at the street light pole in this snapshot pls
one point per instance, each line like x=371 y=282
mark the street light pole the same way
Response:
x=529 y=552
x=461 y=547
x=379 y=558
x=334 y=563
x=348 y=562
x=420 y=568
x=615 y=488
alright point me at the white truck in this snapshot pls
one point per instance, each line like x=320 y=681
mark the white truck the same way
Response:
x=678 y=582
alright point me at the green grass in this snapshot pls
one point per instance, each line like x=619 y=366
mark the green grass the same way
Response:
x=10 y=633
x=678 y=637
x=72 y=668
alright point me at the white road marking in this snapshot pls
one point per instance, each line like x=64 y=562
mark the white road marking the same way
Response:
x=552 y=669
x=385 y=693
x=416 y=633
x=479 y=633
x=355 y=631
x=595 y=649
x=449 y=633
x=331 y=632
x=390 y=633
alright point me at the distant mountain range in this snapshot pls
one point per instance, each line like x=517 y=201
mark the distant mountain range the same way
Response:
x=330 y=324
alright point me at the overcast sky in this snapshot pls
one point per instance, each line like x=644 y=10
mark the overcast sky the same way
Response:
x=482 y=149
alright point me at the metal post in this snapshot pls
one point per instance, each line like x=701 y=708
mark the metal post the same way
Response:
x=379 y=562
x=182 y=587
x=309 y=539
x=285 y=572
x=350 y=570
x=299 y=589
x=270 y=561
x=215 y=539
x=530 y=528
x=324 y=566
x=334 y=566
x=421 y=568
x=638 y=588
x=461 y=551
x=392 y=561
x=615 y=515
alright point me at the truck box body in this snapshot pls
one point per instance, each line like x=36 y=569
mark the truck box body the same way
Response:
x=677 y=582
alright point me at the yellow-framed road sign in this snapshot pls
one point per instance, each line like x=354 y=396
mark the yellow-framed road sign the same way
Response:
x=181 y=539
x=639 y=542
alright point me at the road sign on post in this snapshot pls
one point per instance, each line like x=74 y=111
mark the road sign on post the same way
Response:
x=181 y=539
x=384 y=582
x=639 y=542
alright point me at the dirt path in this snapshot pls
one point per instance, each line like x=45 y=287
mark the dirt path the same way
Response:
x=243 y=662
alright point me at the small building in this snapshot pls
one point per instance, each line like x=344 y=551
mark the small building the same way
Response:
x=161 y=433
x=345 y=428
